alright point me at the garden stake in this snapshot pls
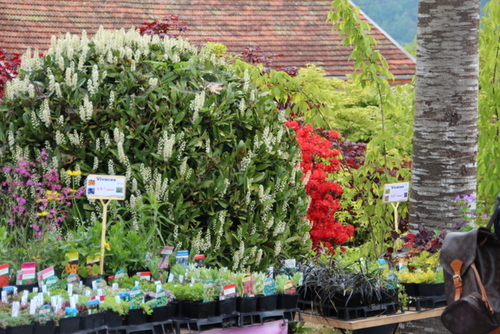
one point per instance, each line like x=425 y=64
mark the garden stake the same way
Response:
x=103 y=233
x=396 y=224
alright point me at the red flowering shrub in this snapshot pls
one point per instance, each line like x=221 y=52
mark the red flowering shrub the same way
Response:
x=8 y=68
x=319 y=161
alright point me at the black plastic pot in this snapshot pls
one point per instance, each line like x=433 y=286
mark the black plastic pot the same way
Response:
x=347 y=300
x=87 y=281
x=198 y=310
x=305 y=293
x=266 y=303
x=92 y=321
x=69 y=325
x=112 y=319
x=287 y=301
x=178 y=308
x=21 y=329
x=388 y=296
x=226 y=306
x=383 y=296
x=431 y=289
x=162 y=313
x=47 y=327
x=411 y=289
x=246 y=304
x=136 y=317
x=133 y=272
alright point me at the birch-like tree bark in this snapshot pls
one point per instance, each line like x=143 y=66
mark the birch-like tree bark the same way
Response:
x=445 y=131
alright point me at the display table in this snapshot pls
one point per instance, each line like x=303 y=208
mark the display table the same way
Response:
x=381 y=320
x=274 y=327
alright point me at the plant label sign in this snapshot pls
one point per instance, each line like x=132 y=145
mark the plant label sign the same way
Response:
x=105 y=187
x=396 y=192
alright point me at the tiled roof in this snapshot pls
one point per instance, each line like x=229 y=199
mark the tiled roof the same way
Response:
x=296 y=29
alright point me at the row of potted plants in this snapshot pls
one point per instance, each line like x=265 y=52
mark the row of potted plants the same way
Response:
x=190 y=293
x=348 y=281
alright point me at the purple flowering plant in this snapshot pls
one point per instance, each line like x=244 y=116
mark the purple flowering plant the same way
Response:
x=35 y=204
x=470 y=212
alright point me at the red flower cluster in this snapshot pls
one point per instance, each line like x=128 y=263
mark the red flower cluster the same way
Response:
x=319 y=161
x=8 y=69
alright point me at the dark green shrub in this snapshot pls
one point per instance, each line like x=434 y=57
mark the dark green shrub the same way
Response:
x=210 y=166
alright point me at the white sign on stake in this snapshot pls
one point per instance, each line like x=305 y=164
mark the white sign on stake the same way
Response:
x=105 y=187
x=396 y=192
x=110 y=187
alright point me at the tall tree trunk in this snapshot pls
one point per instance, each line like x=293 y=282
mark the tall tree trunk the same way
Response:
x=445 y=132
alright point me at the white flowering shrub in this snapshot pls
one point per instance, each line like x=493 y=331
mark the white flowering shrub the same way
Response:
x=207 y=157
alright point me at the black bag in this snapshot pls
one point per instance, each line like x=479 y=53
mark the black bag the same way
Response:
x=468 y=315
x=472 y=271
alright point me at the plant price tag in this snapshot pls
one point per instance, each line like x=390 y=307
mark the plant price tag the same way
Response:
x=15 y=309
x=45 y=313
x=24 y=297
x=396 y=192
x=229 y=291
x=4 y=269
x=269 y=287
x=161 y=298
x=33 y=306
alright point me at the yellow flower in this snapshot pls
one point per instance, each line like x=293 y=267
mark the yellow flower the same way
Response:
x=52 y=195
x=108 y=247
x=43 y=213
x=51 y=192
x=74 y=172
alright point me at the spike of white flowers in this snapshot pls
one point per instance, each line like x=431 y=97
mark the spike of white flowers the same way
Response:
x=107 y=140
x=44 y=113
x=96 y=164
x=111 y=167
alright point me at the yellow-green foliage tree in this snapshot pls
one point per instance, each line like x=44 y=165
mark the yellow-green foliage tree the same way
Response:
x=488 y=164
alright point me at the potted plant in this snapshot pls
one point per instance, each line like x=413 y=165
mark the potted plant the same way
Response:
x=21 y=324
x=339 y=287
x=46 y=319
x=245 y=301
x=114 y=312
x=227 y=301
x=193 y=306
x=265 y=301
x=326 y=287
x=162 y=312
x=420 y=278
x=286 y=290
x=139 y=310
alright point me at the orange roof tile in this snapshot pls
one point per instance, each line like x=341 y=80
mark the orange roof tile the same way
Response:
x=296 y=29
